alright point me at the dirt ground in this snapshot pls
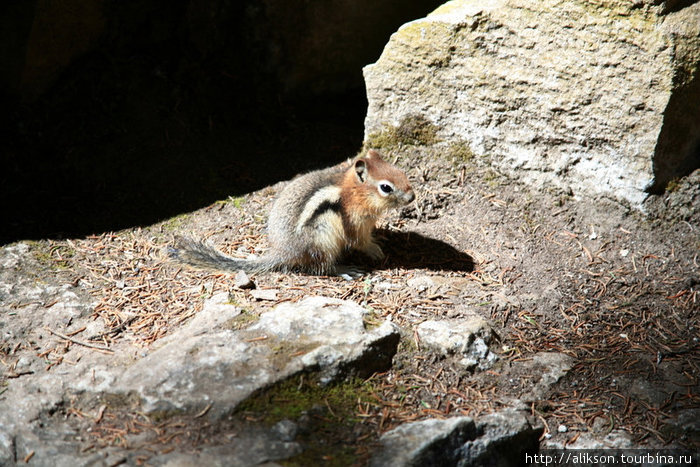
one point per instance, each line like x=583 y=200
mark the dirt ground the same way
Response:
x=613 y=288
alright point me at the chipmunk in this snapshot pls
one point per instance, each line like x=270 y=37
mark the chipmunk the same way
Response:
x=316 y=218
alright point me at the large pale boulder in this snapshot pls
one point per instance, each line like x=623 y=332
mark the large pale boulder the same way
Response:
x=596 y=97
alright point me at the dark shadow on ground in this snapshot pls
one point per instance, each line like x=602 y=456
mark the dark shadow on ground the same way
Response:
x=411 y=250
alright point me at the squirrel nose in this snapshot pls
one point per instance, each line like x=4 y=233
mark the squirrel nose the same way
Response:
x=409 y=197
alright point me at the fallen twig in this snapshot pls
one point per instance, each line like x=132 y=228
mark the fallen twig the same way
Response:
x=76 y=341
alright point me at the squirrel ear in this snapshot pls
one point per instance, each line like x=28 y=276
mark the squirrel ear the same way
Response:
x=361 y=170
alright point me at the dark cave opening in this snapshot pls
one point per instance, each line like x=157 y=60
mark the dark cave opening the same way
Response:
x=104 y=151
x=179 y=104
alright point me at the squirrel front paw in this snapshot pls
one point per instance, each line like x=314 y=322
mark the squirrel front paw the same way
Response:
x=374 y=251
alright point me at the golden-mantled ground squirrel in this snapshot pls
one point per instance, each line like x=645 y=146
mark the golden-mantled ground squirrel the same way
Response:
x=316 y=218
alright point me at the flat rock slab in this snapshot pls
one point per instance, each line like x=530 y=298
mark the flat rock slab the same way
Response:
x=209 y=366
x=222 y=367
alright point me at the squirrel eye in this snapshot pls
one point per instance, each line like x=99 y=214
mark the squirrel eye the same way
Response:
x=386 y=188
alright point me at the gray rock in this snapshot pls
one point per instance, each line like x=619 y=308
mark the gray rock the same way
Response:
x=551 y=366
x=499 y=439
x=335 y=333
x=264 y=294
x=215 y=313
x=242 y=281
x=467 y=338
x=12 y=256
x=7 y=448
x=223 y=367
x=685 y=425
x=216 y=306
x=285 y=430
x=42 y=305
x=616 y=439
x=598 y=100
x=642 y=389
x=206 y=364
x=504 y=438
x=245 y=450
x=424 y=443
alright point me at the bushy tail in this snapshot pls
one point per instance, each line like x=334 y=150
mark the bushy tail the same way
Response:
x=200 y=255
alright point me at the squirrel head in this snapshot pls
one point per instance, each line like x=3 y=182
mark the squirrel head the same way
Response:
x=386 y=186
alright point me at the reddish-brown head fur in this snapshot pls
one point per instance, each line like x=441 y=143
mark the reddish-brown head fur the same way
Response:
x=372 y=185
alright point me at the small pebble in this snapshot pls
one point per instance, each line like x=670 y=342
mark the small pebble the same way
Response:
x=242 y=281
x=264 y=294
